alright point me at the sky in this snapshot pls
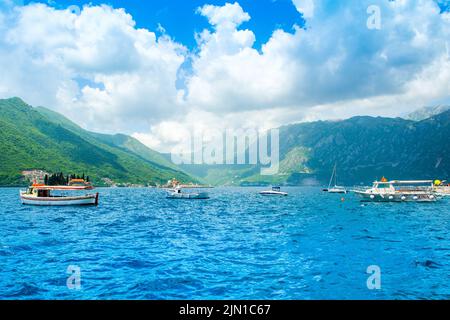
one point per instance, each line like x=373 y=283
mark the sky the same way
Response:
x=159 y=70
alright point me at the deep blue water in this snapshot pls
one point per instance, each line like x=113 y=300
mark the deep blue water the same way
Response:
x=238 y=245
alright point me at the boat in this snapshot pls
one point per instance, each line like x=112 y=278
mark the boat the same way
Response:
x=399 y=191
x=276 y=191
x=43 y=195
x=335 y=188
x=178 y=193
x=174 y=183
x=441 y=188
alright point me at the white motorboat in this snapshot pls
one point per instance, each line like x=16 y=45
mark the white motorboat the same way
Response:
x=42 y=195
x=335 y=188
x=178 y=193
x=399 y=191
x=276 y=191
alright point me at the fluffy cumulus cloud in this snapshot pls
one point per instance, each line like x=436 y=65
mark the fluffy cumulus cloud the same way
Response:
x=99 y=69
x=95 y=66
x=229 y=74
x=337 y=58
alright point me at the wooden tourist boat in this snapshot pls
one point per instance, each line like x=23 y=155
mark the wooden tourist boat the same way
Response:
x=43 y=195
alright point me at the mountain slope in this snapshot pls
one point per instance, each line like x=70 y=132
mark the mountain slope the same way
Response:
x=364 y=149
x=124 y=142
x=42 y=139
x=426 y=112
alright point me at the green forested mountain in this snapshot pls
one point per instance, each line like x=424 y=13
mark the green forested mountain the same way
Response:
x=37 y=138
x=364 y=149
x=121 y=141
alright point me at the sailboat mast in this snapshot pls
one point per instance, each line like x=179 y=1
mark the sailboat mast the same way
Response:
x=335 y=175
x=332 y=176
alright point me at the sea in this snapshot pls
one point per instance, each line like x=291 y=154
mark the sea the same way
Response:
x=237 y=245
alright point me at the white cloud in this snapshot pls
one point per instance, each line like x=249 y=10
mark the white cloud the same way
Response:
x=95 y=67
x=305 y=7
x=227 y=16
x=336 y=60
x=230 y=75
x=108 y=75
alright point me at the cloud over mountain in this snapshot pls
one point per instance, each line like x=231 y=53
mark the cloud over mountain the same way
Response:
x=101 y=70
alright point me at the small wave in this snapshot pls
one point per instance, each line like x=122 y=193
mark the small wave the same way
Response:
x=21 y=248
x=26 y=290
x=428 y=264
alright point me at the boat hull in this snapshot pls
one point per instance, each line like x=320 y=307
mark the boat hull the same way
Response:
x=273 y=193
x=367 y=197
x=87 y=200
x=339 y=191
x=189 y=196
x=443 y=191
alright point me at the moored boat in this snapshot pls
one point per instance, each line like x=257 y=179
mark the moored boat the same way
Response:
x=336 y=188
x=399 y=191
x=178 y=193
x=276 y=191
x=43 y=195
x=442 y=188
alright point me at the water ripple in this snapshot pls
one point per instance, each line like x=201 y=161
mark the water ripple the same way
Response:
x=238 y=245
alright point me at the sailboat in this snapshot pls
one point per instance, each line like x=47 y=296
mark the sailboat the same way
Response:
x=335 y=188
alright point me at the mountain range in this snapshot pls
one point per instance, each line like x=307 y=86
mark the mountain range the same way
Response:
x=363 y=148
x=38 y=138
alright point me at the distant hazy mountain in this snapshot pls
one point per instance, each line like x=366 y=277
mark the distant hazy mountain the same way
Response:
x=37 y=138
x=426 y=112
x=364 y=149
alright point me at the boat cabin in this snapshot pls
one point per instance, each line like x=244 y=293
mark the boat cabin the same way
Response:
x=393 y=186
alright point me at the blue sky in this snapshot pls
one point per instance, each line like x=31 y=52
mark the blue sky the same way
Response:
x=225 y=65
x=179 y=19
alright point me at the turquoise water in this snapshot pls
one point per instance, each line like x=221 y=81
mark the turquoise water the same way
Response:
x=238 y=245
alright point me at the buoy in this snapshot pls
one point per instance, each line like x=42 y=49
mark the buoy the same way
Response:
x=431 y=197
x=372 y=197
x=403 y=198
x=391 y=198
x=415 y=197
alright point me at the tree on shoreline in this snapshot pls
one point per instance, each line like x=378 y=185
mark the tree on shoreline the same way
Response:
x=59 y=179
